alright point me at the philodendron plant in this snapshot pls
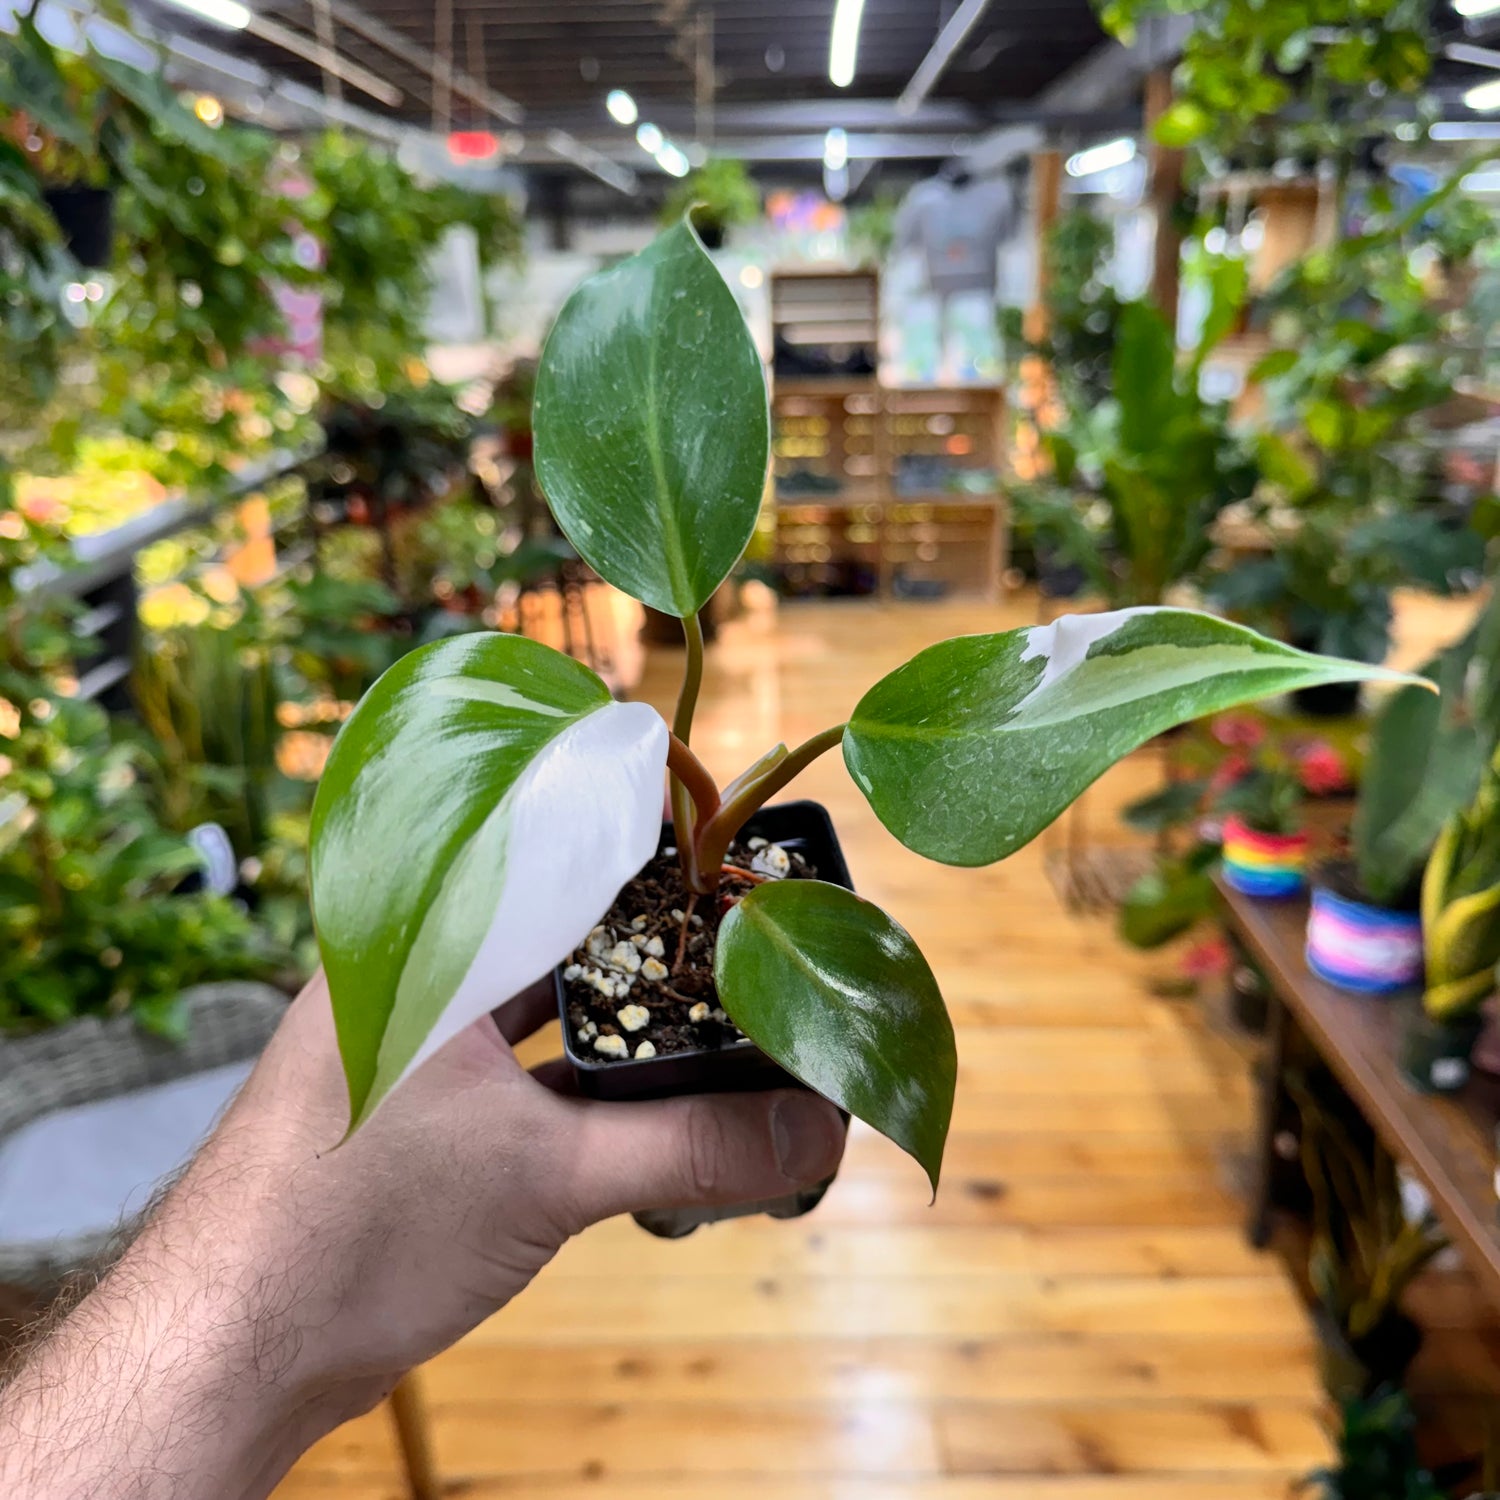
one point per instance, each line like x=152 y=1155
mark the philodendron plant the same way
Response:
x=488 y=798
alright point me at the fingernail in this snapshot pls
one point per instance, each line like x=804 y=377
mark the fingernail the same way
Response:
x=802 y=1136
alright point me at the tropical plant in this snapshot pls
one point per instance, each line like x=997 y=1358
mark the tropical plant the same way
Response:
x=720 y=195
x=379 y=229
x=91 y=919
x=1366 y=1249
x=1427 y=756
x=1082 y=310
x=872 y=227
x=1378 y=1457
x=1352 y=491
x=1137 y=479
x=488 y=799
x=1244 y=63
x=1461 y=907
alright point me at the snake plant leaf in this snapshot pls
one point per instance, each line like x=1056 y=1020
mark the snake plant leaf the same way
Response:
x=479 y=810
x=838 y=994
x=651 y=424
x=975 y=745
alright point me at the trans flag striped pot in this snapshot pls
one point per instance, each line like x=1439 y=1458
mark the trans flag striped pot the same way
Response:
x=1363 y=948
x=1263 y=864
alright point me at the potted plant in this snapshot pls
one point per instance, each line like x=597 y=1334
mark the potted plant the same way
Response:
x=1461 y=928
x=1366 y=1248
x=1264 y=842
x=1426 y=757
x=719 y=195
x=488 y=812
x=1138 y=477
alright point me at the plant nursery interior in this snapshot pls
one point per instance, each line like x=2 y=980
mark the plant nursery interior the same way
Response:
x=1054 y=446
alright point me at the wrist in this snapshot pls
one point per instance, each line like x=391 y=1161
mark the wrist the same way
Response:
x=190 y=1369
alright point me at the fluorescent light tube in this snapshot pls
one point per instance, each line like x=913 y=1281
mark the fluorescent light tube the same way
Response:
x=229 y=13
x=1101 y=158
x=1485 y=97
x=843 y=42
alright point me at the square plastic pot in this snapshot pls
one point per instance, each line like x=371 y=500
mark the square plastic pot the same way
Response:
x=741 y=1067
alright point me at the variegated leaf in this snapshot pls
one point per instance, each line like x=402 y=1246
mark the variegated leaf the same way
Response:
x=975 y=745
x=479 y=812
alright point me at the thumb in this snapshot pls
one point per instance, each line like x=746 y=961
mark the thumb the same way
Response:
x=707 y=1149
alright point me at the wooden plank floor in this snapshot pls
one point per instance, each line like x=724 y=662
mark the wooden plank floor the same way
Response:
x=1077 y=1318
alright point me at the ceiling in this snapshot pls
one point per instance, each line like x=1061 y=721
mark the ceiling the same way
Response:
x=749 y=77
x=745 y=78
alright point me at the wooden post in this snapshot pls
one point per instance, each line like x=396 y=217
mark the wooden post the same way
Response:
x=1046 y=195
x=1034 y=387
x=1164 y=191
x=412 y=1439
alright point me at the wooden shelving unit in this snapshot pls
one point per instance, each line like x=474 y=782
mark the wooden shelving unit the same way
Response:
x=888 y=491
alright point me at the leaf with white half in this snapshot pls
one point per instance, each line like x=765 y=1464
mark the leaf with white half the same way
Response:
x=975 y=745
x=838 y=994
x=652 y=424
x=479 y=811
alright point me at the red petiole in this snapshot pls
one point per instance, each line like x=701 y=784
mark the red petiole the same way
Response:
x=706 y=821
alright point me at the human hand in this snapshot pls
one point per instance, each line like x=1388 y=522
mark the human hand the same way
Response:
x=286 y=1285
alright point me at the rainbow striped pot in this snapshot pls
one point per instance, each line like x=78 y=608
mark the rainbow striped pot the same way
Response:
x=1367 y=949
x=1264 y=864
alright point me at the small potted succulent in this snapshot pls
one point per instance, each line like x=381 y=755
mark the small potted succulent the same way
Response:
x=1264 y=842
x=1461 y=935
x=489 y=813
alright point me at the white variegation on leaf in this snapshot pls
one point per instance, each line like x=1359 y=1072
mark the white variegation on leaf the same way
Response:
x=975 y=745
x=479 y=811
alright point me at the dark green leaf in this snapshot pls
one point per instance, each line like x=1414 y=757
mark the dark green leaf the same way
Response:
x=652 y=429
x=838 y=994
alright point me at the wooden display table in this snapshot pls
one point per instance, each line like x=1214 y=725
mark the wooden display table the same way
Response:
x=1448 y=1142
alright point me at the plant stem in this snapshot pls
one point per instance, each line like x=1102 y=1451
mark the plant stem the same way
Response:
x=752 y=791
x=691 y=786
x=692 y=775
x=692 y=680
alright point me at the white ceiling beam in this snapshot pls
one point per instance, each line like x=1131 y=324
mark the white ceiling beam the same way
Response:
x=939 y=55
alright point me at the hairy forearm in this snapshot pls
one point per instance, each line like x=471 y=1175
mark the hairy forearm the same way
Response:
x=184 y=1374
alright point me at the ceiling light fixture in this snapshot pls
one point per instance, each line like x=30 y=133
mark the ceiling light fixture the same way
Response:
x=622 y=108
x=835 y=149
x=649 y=137
x=673 y=160
x=1465 y=130
x=1485 y=97
x=1102 y=157
x=843 y=42
x=229 y=13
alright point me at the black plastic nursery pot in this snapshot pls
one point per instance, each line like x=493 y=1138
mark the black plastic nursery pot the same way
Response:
x=86 y=217
x=1435 y=1054
x=735 y=1066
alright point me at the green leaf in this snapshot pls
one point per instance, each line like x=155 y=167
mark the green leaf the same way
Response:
x=1175 y=804
x=1427 y=754
x=652 y=427
x=1145 y=362
x=838 y=994
x=1169 y=899
x=480 y=809
x=1183 y=123
x=975 y=745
